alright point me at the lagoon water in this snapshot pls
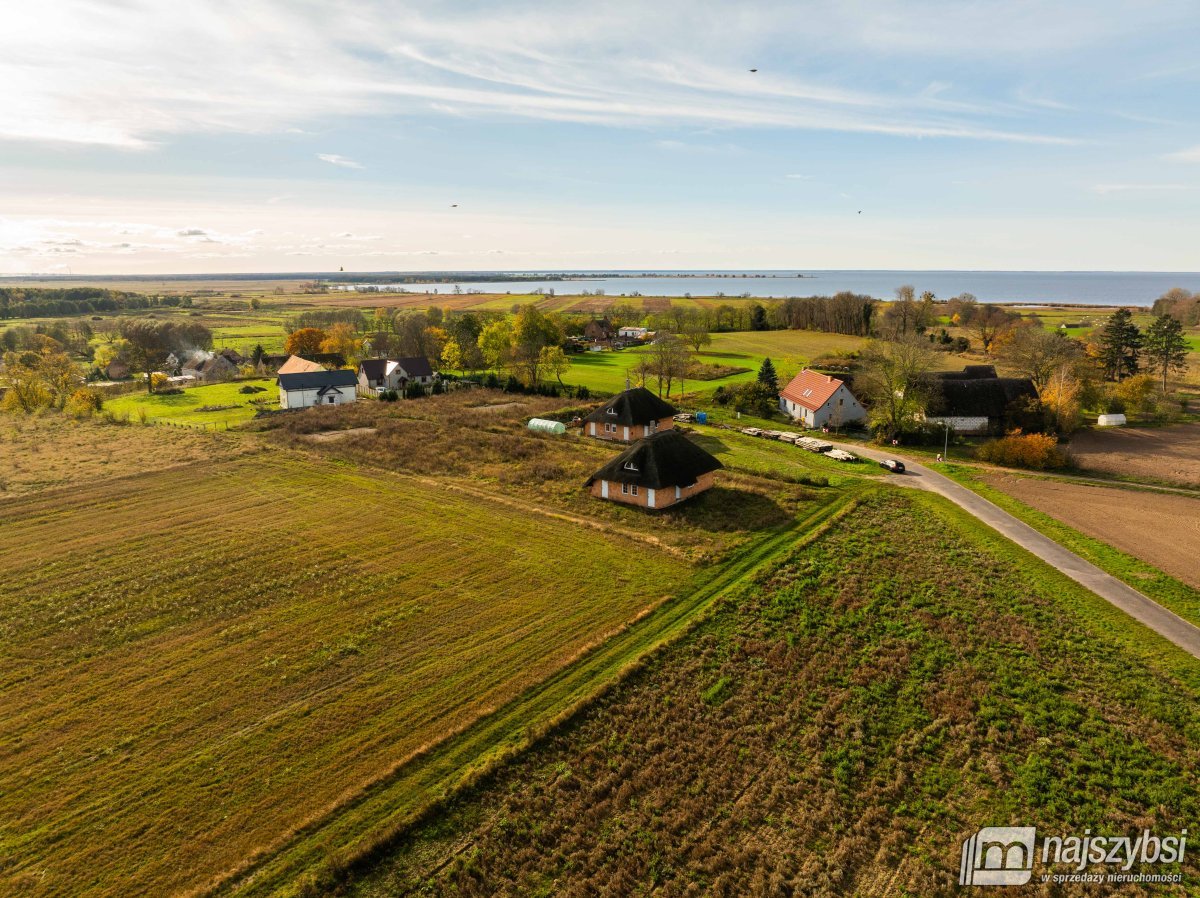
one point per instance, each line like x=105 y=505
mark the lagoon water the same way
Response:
x=1073 y=287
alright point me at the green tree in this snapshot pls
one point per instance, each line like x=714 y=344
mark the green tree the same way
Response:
x=532 y=332
x=1120 y=346
x=1166 y=348
x=554 y=361
x=758 y=318
x=495 y=344
x=768 y=377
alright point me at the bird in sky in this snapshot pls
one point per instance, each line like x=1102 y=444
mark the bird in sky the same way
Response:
x=454 y=205
x=754 y=70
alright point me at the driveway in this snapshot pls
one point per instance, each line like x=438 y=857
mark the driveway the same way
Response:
x=1139 y=607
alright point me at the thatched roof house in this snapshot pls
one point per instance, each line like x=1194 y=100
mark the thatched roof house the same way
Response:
x=629 y=416
x=656 y=472
x=976 y=400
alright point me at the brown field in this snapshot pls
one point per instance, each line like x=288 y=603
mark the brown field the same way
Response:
x=197 y=662
x=54 y=450
x=1162 y=530
x=1157 y=453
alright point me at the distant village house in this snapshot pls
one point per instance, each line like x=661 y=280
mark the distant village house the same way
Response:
x=630 y=416
x=598 y=331
x=818 y=400
x=308 y=387
x=657 y=472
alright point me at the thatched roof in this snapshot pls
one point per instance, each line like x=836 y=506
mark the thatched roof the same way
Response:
x=633 y=407
x=665 y=459
x=990 y=397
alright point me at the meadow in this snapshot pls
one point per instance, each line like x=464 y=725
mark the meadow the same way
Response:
x=199 y=662
x=221 y=405
x=837 y=725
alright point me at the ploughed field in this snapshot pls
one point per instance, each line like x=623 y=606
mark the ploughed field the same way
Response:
x=1159 y=528
x=1155 y=453
x=198 y=662
x=838 y=725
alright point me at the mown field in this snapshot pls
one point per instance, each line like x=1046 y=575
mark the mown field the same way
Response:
x=197 y=663
x=217 y=406
x=837 y=726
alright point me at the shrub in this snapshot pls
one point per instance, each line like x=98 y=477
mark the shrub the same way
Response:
x=251 y=388
x=1038 y=451
x=83 y=403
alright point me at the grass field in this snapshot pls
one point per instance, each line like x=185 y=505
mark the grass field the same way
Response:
x=837 y=726
x=214 y=405
x=199 y=662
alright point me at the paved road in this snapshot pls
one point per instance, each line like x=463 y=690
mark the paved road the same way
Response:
x=1139 y=607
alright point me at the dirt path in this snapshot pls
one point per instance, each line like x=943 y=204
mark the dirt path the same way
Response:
x=1142 y=609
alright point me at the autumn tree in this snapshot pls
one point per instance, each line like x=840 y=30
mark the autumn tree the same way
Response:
x=894 y=377
x=990 y=321
x=554 y=361
x=1062 y=398
x=1036 y=353
x=495 y=344
x=342 y=340
x=533 y=331
x=1165 y=346
x=305 y=341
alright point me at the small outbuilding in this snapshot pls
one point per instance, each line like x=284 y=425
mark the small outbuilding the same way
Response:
x=629 y=416
x=816 y=400
x=657 y=472
x=305 y=389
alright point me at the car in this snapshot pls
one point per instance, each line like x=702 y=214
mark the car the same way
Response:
x=896 y=467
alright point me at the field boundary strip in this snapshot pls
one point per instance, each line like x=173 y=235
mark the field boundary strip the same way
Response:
x=382 y=811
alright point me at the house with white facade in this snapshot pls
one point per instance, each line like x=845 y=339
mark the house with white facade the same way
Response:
x=394 y=374
x=818 y=400
x=305 y=389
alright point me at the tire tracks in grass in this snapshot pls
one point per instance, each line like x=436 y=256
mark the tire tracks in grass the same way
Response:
x=366 y=822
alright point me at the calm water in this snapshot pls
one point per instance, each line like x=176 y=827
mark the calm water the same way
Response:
x=1079 y=287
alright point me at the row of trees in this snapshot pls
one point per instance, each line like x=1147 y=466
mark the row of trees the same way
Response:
x=46 y=302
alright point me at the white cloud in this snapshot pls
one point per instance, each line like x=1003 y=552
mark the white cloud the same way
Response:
x=131 y=74
x=1191 y=154
x=1133 y=188
x=335 y=159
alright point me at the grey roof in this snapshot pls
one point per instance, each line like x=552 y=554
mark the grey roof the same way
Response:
x=636 y=406
x=311 y=380
x=416 y=366
x=665 y=459
x=373 y=368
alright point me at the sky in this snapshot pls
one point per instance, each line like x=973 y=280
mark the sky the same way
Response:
x=144 y=137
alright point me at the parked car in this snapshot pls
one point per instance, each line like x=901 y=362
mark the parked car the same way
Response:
x=896 y=467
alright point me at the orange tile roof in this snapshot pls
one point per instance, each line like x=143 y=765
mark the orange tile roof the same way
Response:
x=811 y=389
x=297 y=365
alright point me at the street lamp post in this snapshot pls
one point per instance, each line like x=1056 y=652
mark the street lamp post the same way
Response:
x=946 y=442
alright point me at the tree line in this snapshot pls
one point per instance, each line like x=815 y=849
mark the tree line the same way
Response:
x=54 y=302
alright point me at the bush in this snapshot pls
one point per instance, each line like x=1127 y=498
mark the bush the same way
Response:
x=1038 y=451
x=250 y=388
x=83 y=403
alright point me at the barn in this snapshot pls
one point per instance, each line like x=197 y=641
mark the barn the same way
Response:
x=629 y=416
x=662 y=470
x=977 y=401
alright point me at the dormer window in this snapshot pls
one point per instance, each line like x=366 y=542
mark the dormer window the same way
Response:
x=630 y=466
x=610 y=411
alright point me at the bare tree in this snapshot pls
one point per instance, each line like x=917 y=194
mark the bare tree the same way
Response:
x=894 y=378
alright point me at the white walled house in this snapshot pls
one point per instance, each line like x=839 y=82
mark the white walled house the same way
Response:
x=818 y=400
x=308 y=388
x=394 y=374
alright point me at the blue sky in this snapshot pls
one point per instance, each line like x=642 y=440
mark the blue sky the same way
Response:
x=145 y=137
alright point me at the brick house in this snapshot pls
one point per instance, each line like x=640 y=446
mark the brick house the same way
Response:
x=598 y=331
x=657 y=472
x=817 y=400
x=630 y=416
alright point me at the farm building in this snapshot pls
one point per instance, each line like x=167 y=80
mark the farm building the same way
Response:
x=976 y=400
x=598 y=331
x=116 y=370
x=304 y=389
x=393 y=374
x=634 y=333
x=818 y=400
x=657 y=472
x=630 y=416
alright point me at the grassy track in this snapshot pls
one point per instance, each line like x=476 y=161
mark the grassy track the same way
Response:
x=1147 y=579
x=377 y=815
x=195 y=664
